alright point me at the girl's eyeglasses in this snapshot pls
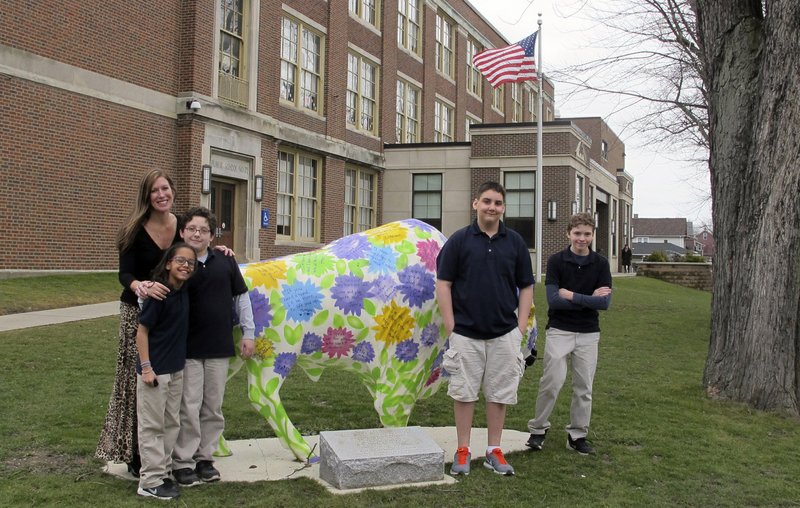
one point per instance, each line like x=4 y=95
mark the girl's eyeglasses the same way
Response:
x=180 y=260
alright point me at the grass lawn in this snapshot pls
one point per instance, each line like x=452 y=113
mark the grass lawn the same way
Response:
x=660 y=442
x=26 y=294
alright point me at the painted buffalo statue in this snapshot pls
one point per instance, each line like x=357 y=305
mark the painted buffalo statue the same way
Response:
x=364 y=303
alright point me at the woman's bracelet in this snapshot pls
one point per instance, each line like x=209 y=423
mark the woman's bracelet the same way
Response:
x=145 y=364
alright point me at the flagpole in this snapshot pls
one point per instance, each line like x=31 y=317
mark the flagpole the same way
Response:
x=539 y=189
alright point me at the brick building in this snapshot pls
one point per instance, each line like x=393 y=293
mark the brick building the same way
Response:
x=297 y=102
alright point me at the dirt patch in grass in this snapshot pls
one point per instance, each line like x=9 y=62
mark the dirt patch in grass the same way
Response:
x=41 y=461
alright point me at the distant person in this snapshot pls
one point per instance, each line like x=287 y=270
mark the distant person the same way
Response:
x=216 y=288
x=578 y=284
x=627 y=255
x=161 y=342
x=484 y=289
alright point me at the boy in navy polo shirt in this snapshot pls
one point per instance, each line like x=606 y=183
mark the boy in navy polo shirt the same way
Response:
x=484 y=289
x=216 y=288
x=578 y=285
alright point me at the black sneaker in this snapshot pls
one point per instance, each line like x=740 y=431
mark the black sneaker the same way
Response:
x=186 y=477
x=166 y=490
x=206 y=471
x=580 y=445
x=536 y=441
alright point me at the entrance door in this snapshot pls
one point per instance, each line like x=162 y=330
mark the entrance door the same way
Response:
x=223 y=197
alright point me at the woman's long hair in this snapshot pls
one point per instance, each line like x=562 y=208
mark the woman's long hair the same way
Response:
x=143 y=208
x=160 y=272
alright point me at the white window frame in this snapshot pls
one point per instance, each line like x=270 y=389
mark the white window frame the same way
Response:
x=445 y=45
x=407 y=112
x=303 y=65
x=361 y=186
x=474 y=76
x=443 y=118
x=409 y=26
x=299 y=193
x=362 y=91
x=367 y=11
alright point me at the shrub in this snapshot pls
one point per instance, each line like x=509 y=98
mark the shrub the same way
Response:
x=693 y=258
x=657 y=257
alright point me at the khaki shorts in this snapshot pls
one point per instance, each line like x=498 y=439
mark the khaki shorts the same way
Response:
x=497 y=364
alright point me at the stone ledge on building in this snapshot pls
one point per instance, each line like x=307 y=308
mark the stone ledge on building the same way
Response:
x=693 y=275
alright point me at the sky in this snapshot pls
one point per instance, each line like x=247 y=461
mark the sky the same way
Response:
x=664 y=185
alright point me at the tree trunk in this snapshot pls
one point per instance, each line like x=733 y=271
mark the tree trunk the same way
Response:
x=751 y=60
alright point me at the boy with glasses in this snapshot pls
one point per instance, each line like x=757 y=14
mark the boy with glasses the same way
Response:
x=216 y=290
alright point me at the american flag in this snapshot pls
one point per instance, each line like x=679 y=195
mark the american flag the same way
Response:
x=508 y=64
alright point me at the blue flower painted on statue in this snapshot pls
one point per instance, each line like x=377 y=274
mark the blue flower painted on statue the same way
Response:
x=262 y=315
x=349 y=293
x=382 y=260
x=351 y=247
x=429 y=336
x=532 y=338
x=384 y=288
x=406 y=350
x=284 y=363
x=301 y=300
x=438 y=360
x=363 y=352
x=422 y=225
x=311 y=343
x=417 y=285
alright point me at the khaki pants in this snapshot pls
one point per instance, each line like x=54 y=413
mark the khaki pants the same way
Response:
x=158 y=409
x=202 y=421
x=559 y=347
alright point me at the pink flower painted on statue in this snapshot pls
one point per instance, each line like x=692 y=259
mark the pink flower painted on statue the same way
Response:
x=337 y=342
x=427 y=252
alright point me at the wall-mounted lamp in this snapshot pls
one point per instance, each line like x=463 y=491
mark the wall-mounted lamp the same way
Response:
x=613 y=227
x=597 y=221
x=258 y=189
x=205 y=187
x=574 y=207
x=551 y=210
x=193 y=105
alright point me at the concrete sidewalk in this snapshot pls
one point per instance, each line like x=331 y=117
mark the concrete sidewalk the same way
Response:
x=56 y=316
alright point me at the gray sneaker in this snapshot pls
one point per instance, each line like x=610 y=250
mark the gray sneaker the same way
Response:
x=461 y=462
x=497 y=463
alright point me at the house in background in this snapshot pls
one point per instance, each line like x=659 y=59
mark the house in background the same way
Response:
x=704 y=243
x=673 y=236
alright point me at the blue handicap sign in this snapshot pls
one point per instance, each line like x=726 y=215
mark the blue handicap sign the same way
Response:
x=264 y=218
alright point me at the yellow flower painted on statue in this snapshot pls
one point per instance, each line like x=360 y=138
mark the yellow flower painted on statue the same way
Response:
x=388 y=234
x=264 y=349
x=394 y=324
x=266 y=274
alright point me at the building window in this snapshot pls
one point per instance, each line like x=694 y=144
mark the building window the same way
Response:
x=445 y=45
x=408 y=26
x=521 y=204
x=362 y=90
x=366 y=10
x=533 y=106
x=298 y=196
x=471 y=120
x=516 y=101
x=614 y=215
x=498 y=94
x=407 y=114
x=359 y=200
x=427 y=199
x=604 y=150
x=443 y=123
x=232 y=85
x=578 y=193
x=705 y=235
x=301 y=65
x=474 y=80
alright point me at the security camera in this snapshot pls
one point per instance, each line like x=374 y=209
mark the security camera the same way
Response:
x=194 y=105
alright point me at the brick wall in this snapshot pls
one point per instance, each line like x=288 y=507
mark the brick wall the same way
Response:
x=70 y=180
x=693 y=275
x=131 y=40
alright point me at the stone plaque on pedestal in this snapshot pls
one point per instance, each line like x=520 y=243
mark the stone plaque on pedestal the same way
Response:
x=351 y=459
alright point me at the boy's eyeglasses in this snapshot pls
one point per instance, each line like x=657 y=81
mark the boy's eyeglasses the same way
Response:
x=192 y=230
x=180 y=260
